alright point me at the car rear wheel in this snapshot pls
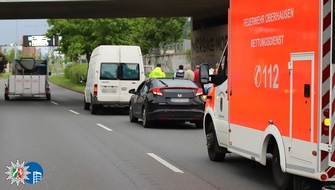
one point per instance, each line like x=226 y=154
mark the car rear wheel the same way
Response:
x=145 y=122
x=131 y=114
x=215 y=152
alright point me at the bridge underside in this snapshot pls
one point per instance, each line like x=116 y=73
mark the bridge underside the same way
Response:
x=112 y=9
x=209 y=17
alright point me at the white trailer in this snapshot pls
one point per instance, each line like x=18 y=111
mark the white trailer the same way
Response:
x=29 y=79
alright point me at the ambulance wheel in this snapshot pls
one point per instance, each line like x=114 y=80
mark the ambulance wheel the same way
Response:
x=86 y=105
x=6 y=96
x=145 y=122
x=283 y=180
x=215 y=152
x=94 y=108
x=48 y=96
x=131 y=114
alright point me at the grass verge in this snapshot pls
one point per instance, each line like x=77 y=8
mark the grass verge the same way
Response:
x=4 y=75
x=66 y=83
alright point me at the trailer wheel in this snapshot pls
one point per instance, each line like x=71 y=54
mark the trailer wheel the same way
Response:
x=48 y=96
x=131 y=114
x=86 y=105
x=6 y=96
x=215 y=152
x=94 y=108
x=283 y=180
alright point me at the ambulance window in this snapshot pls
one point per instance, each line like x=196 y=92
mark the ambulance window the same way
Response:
x=222 y=74
x=108 y=71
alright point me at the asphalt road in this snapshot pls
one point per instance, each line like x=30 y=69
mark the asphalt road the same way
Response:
x=80 y=151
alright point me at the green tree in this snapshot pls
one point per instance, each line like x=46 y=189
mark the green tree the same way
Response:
x=187 y=30
x=10 y=54
x=81 y=36
x=156 y=32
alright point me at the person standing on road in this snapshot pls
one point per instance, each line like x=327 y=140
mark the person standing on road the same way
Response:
x=196 y=75
x=180 y=72
x=189 y=74
x=157 y=72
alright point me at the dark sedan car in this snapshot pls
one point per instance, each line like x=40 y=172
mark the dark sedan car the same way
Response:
x=167 y=99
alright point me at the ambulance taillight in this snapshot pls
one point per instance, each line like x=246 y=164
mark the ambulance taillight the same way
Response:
x=326 y=122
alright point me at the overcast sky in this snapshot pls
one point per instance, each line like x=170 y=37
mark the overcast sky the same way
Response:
x=13 y=30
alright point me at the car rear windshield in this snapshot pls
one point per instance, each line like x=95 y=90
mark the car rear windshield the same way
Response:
x=174 y=83
x=120 y=71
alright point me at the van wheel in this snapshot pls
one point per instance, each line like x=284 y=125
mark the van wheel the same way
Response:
x=131 y=114
x=86 y=105
x=215 y=152
x=283 y=180
x=94 y=108
x=145 y=122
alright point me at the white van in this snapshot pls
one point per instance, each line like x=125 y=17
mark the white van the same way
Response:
x=112 y=71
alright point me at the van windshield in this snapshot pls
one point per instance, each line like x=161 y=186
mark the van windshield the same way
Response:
x=119 y=71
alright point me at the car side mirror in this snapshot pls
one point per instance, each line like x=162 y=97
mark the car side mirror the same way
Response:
x=82 y=78
x=132 y=91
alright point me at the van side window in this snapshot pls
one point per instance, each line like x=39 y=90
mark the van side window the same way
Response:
x=130 y=71
x=108 y=71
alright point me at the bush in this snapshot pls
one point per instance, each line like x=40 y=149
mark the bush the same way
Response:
x=74 y=71
x=68 y=71
x=77 y=71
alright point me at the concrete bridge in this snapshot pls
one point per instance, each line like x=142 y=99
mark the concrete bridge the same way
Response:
x=209 y=17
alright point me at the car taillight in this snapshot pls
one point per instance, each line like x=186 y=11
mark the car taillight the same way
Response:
x=156 y=91
x=199 y=92
x=95 y=90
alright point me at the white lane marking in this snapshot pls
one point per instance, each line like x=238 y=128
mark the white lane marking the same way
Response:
x=165 y=163
x=104 y=127
x=74 y=112
x=54 y=103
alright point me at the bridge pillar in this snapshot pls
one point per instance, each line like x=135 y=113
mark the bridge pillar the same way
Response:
x=208 y=39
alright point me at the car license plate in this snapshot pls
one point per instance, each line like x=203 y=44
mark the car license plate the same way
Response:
x=179 y=100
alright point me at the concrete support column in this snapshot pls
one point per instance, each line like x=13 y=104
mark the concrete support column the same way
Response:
x=208 y=39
